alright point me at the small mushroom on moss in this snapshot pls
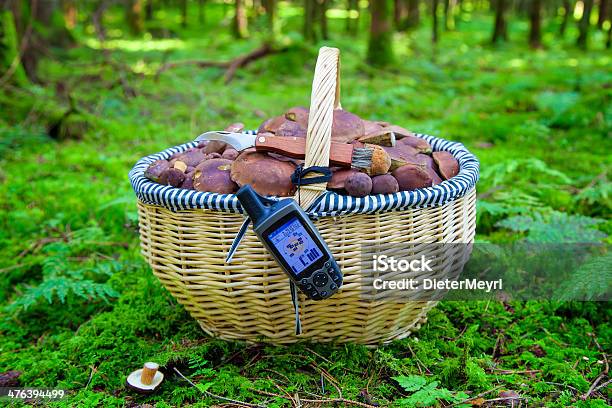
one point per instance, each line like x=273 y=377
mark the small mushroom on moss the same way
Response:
x=146 y=379
x=214 y=176
x=384 y=184
x=299 y=115
x=339 y=176
x=230 y=153
x=156 y=169
x=267 y=175
x=358 y=185
x=447 y=164
x=412 y=176
x=172 y=177
x=346 y=126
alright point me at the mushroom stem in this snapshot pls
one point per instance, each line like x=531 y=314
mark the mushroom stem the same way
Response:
x=148 y=372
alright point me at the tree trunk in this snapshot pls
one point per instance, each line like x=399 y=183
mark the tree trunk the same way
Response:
x=352 y=7
x=603 y=13
x=434 y=25
x=270 y=6
x=323 y=19
x=240 y=21
x=535 y=19
x=184 y=13
x=449 y=15
x=400 y=12
x=413 y=14
x=380 y=49
x=133 y=16
x=500 y=31
x=583 y=25
x=149 y=10
x=308 y=29
x=201 y=15
x=567 y=10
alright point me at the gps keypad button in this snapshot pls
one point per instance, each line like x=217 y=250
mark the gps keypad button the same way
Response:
x=320 y=279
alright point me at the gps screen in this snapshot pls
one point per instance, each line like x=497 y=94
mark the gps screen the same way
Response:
x=295 y=245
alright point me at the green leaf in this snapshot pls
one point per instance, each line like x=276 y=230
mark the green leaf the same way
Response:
x=410 y=382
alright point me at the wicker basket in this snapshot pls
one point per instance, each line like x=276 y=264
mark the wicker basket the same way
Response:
x=185 y=236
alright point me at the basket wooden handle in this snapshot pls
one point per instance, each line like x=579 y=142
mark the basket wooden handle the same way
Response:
x=324 y=99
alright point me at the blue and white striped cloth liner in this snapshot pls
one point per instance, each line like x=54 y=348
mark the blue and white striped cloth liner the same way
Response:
x=329 y=204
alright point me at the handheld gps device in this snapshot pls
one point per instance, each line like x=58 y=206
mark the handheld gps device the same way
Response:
x=294 y=242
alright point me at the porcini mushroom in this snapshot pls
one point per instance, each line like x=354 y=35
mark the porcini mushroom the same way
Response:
x=339 y=176
x=384 y=184
x=267 y=175
x=412 y=176
x=146 y=379
x=271 y=125
x=291 y=129
x=358 y=185
x=299 y=115
x=401 y=155
x=156 y=169
x=346 y=126
x=447 y=164
x=214 y=176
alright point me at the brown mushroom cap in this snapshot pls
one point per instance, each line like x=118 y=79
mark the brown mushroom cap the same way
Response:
x=214 y=146
x=384 y=184
x=346 y=126
x=155 y=170
x=271 y=125
x=235 y=127
x=214 y=175
x=299 y=115
x=267 y=175
x=358 y=185
x=447 y=164
x=230 y=153
x=406 y=137
x=172 y=177
x=191 y=158
x=370 y=127
x=339 y=176
x=401 y=155
x=411 y=176
x=188 y=182
x=291 y=129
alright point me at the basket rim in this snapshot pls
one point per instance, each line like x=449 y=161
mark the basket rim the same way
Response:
x=329 y=203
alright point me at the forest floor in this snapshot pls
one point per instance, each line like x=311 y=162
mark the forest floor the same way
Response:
x=80 y=309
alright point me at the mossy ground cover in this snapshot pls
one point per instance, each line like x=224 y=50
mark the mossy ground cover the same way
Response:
x=81 y=309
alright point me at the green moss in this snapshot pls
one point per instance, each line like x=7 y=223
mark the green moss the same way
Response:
x=545 y=116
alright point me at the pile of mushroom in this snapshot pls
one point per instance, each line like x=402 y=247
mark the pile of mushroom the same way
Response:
x=214 y=166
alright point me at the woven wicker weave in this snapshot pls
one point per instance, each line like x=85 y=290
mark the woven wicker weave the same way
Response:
x=250 y=298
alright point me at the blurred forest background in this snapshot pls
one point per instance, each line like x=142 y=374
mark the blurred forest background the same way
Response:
x=89 y=87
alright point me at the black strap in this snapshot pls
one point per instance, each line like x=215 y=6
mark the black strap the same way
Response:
x=298 y=176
